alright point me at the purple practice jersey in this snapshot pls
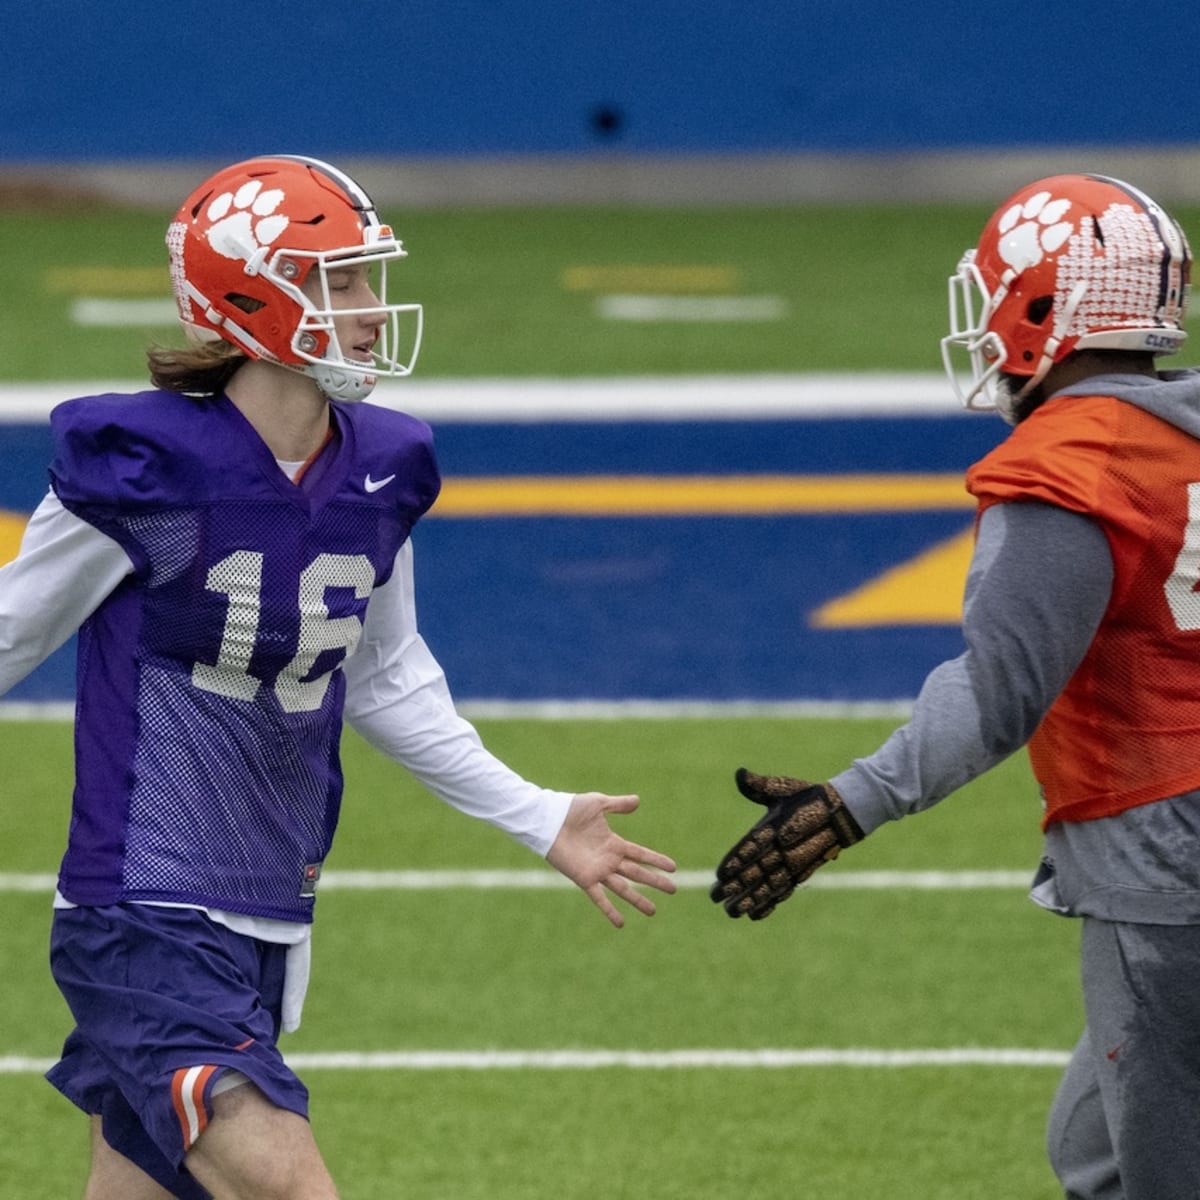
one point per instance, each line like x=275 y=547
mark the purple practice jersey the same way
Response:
x=209 y=699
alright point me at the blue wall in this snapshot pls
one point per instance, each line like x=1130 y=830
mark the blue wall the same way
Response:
x=145 y=80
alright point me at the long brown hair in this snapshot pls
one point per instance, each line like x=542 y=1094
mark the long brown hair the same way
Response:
x=202 y=369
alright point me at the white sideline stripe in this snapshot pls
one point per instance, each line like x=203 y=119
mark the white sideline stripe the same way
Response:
x=588 y=710
x=542 y=879
x=621 y=398
x=647 y=1060
x=55 y=710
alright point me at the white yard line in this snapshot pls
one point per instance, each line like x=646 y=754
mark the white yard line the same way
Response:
x=643 y=1060
x=540 y=879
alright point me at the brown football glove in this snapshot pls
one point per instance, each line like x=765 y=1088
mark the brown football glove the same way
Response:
x=806 y=826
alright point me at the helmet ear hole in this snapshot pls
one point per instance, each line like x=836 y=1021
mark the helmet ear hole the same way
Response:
x=248 y=304
x=1038 y=310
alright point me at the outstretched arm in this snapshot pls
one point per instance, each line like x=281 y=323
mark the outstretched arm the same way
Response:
x=599 y=861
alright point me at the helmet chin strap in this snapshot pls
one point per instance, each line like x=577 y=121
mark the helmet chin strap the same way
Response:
x=337 y=383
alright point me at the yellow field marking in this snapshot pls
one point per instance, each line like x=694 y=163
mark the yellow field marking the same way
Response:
x=685 y=495
x=647 y=278
x=109 y=281
x=926 y=590
x=12 y=527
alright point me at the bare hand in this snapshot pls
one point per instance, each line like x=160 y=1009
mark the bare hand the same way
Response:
x=599 y=861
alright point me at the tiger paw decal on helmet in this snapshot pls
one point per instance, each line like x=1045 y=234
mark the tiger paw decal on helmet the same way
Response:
x=1031 y=230
x=245 y=222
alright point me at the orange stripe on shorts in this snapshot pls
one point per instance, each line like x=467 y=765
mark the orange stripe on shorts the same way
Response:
x=187 y=1095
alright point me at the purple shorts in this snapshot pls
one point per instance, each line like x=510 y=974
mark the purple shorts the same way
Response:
x=165 y=1002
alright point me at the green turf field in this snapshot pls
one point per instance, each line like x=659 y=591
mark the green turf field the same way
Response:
x=540 y=970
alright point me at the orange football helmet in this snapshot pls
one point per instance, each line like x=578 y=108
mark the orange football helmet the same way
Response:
x=244 y=243
x=1072 y=262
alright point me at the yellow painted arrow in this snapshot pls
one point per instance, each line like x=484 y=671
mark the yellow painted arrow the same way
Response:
x=926 y=590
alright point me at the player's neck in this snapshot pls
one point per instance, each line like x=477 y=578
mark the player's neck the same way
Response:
x=286 y=409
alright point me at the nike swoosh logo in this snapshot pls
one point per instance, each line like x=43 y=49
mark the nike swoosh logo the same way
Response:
x=373 y=485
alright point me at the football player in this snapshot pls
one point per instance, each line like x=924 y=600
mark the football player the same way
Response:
x=1082 y=627
x=233 y=548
